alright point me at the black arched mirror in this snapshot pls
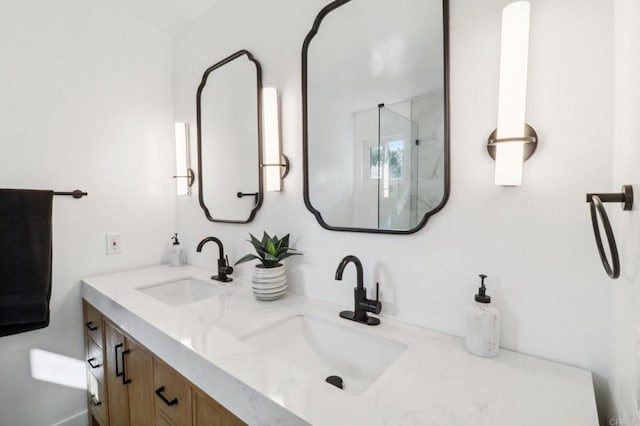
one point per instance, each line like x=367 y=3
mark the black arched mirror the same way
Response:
x=376 y=114
x=228 y=110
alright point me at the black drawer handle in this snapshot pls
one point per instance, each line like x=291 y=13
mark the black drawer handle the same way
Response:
x=115 y=348
x=94 y=401
x=91 y=326
x=160 y=391
x=125 y=380
x=90 y=361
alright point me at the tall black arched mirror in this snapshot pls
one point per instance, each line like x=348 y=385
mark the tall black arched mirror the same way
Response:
x=230 y=139
x=375 y=114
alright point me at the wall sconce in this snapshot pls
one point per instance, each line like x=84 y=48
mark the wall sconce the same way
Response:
x=184 y=174
x=514 y=141
x=275 y=164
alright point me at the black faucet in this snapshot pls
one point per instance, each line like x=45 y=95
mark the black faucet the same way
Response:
x=362 y=305
x=223 y=262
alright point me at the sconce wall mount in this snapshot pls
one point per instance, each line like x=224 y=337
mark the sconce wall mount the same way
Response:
x=283 y=164
x=190 y=176
x=530 y=141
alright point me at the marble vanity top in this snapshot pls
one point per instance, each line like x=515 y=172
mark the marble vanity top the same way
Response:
x=434 y=382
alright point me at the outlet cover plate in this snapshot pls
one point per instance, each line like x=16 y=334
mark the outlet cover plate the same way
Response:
x=114 y=244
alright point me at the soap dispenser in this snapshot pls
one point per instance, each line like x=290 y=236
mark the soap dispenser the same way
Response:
x=482 y=336
x=175 y=255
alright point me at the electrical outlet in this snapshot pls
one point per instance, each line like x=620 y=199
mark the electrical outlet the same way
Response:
x=114 y=243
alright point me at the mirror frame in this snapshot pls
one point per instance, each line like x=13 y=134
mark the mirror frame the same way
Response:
x=305 y=130
x=260 y=193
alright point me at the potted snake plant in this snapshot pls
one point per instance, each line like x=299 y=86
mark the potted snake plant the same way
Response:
x=269 y=281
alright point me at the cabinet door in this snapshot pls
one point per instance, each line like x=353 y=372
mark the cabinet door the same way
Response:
x=93 y=323
x=209 y=412
x=117 y=393
x=139 y=370
x=95 y=361
x=173 y=394
x=96 y=401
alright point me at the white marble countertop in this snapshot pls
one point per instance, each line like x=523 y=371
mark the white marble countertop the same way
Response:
x=434 y=382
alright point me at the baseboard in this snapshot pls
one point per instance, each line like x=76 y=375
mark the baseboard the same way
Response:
x=79 y=419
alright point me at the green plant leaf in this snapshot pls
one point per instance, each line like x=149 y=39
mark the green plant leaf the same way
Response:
x=285 y=255
x=255 y=242
x=246 y=258
x=271 y=248
x=265 y=239
x=285 y=241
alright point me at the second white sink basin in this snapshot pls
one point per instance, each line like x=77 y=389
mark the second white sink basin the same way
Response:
x=325 y=349
x=183 y=291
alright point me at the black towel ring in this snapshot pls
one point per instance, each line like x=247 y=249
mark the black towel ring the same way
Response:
x=597 y=208
x=613 y=248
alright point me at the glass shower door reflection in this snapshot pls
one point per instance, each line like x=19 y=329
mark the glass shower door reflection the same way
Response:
x=396 y=137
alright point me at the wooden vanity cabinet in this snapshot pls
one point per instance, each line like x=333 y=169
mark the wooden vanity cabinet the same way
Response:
x=173 y=394
x=137 y=388
x=208 y=412
x=94 y=343
x=129 y=376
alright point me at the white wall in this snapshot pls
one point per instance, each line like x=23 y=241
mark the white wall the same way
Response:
x=625 y=386
x=85 y=103
x=534 y=242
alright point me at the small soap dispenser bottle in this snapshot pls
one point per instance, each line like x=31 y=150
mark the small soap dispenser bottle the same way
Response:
x=175 y=255
x=483 y=325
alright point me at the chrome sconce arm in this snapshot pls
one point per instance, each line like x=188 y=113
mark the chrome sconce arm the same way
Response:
x=597 y=208
x=283 y=164
x=190 y=177
x=530 y=141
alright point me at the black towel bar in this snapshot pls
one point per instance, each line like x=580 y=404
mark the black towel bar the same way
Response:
x=75 y=194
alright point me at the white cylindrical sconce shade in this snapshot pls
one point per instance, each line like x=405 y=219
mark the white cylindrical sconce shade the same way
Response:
x=182 y=159
x=271 y=137
x=512 y=93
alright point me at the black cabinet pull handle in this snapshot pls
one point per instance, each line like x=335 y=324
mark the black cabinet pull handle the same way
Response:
x=94 y=401
x=115 y=348
x=160 y=391
x=91 y=326
x=125 y=380
x=90 y=361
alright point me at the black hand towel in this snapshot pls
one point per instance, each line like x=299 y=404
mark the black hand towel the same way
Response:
x=25 y=259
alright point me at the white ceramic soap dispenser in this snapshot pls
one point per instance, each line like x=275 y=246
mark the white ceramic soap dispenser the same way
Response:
x=483 y=325
x=175 y=255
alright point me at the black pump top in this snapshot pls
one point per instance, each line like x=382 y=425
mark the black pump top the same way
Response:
x=481 y=296
x=175 y=239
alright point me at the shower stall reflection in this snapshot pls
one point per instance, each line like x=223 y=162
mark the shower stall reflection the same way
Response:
x=400 y=165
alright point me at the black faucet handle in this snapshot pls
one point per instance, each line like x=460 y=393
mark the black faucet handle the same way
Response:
x=223 y=266
x=373 y=306
x=376 y=305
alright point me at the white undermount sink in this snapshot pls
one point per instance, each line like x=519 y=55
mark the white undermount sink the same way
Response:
x=325 y=349
x=183 y=291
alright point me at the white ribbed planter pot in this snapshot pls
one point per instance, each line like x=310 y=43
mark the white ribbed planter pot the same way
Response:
x=269 y=283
